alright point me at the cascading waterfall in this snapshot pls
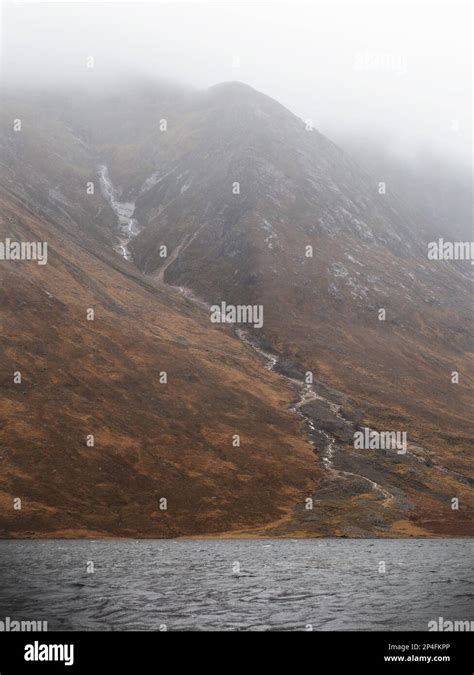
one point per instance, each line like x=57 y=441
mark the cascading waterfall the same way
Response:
x=128 y=227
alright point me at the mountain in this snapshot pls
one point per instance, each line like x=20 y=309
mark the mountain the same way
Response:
x=48 y=162
x=438 y=189
x=236 y=188
x=104 y=377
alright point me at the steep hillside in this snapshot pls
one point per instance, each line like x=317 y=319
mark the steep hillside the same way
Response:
x=151 y=439
x=322 y=312
x=47 y=160
x=252 y=207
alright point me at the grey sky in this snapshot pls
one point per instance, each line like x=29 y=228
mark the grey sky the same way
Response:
x=401 y=72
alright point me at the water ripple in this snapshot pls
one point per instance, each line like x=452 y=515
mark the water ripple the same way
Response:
x=331 y=584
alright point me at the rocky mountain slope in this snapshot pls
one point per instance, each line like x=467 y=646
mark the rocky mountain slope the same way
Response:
x=154 y=438
x=253 y=207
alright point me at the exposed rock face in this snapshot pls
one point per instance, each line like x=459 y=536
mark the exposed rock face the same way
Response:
x=252 y=207
x=369 y=253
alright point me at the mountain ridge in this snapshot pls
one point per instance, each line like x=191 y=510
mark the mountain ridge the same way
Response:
x=296 y=189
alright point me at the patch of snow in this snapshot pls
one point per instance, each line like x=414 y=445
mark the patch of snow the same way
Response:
x=352 y=259
x=186 y=185
x=154 y=179
x=338 y=270
x=57 y=196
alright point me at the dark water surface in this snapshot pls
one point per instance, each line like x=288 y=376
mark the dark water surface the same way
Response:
x=332 y=584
